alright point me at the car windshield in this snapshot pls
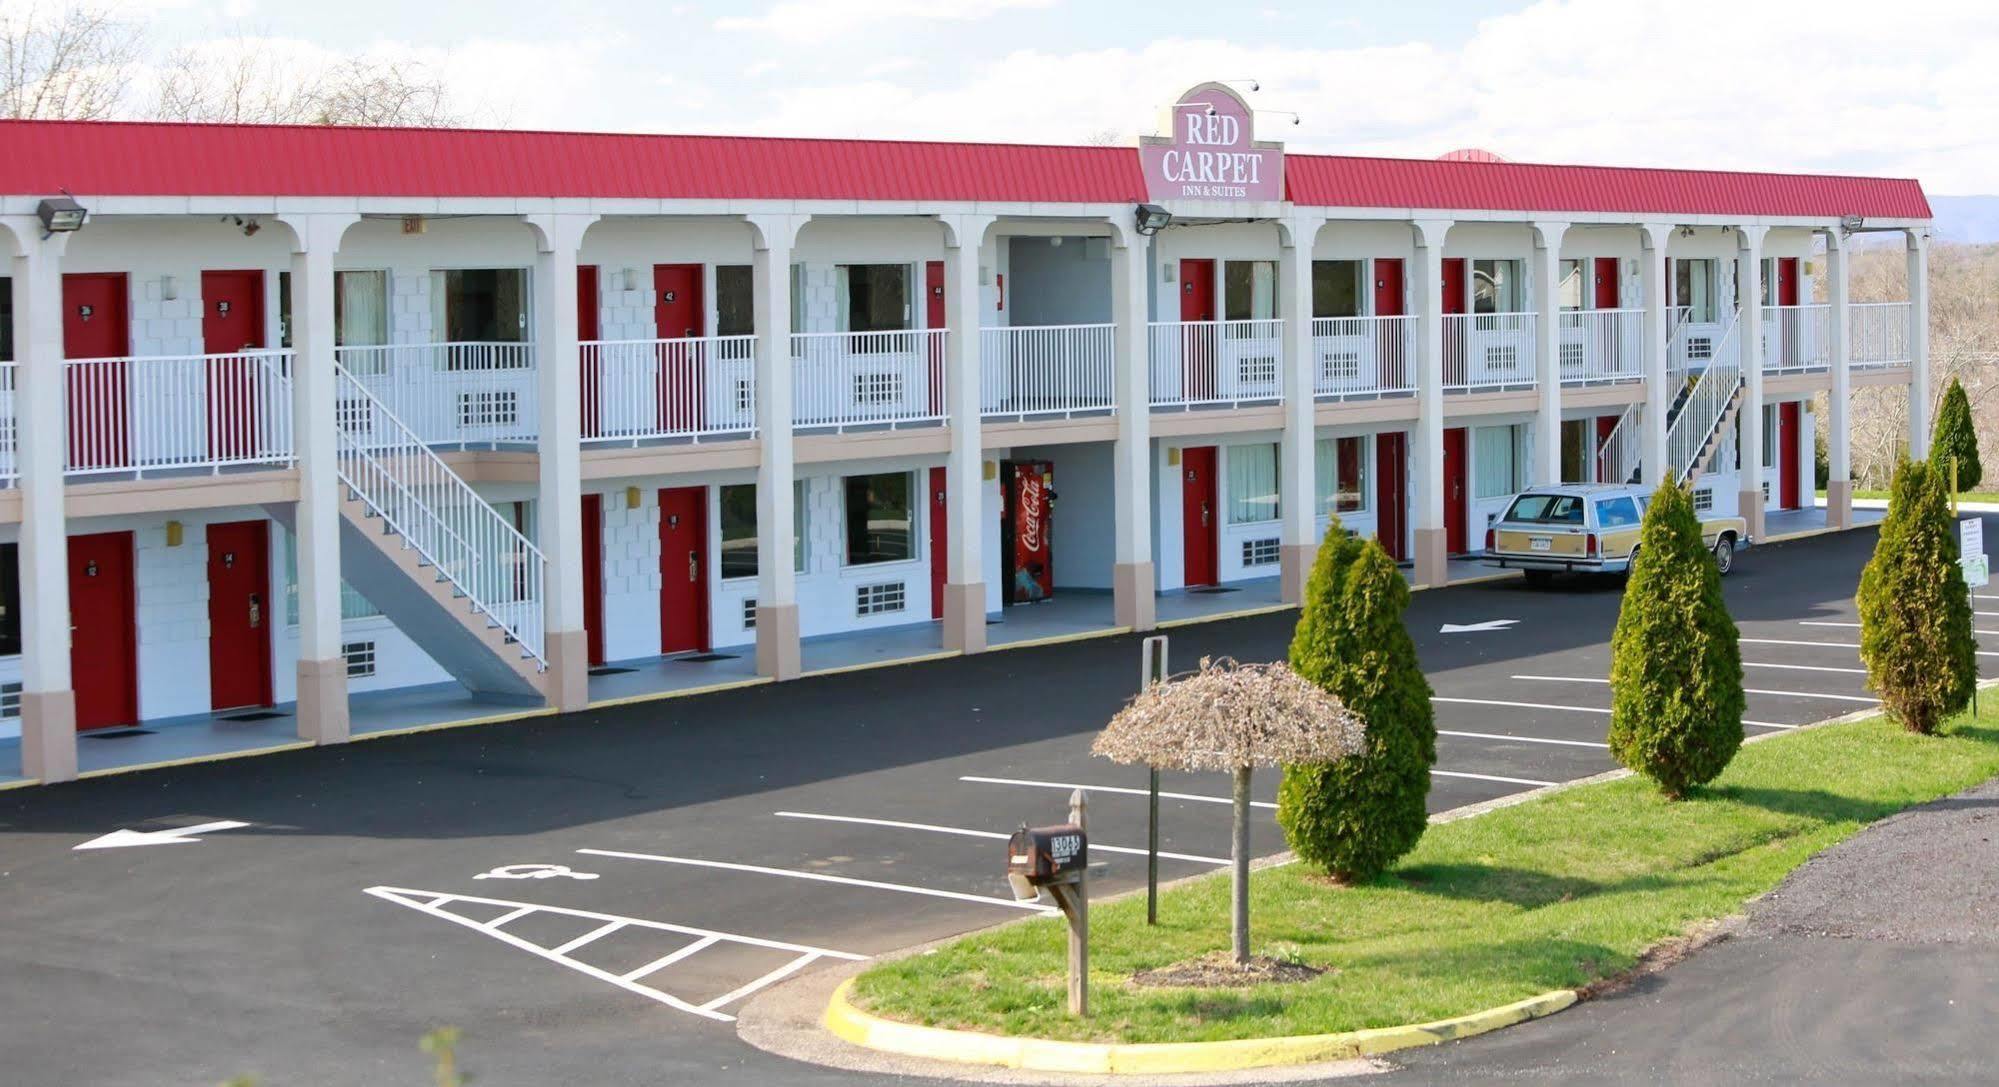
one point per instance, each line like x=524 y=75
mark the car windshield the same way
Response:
x=1547 y=509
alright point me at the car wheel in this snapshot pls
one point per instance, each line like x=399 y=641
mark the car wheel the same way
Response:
x=1724 y=554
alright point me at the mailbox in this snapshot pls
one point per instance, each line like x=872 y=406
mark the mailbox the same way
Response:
x=1037 y=857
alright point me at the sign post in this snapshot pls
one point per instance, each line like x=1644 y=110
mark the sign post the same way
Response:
x=1972 y=559
x=1152 y=670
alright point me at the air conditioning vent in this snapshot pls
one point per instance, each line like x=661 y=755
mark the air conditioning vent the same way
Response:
x=1572 y=356
x=10 y=701
x=1700 y=347
x=1704 y=500
x=1340 y=367
x=500 y=407
x=878 y=388
x=1257 y=370
x=1504 y=357
x=749 y=613
x=1259 y=552
x=878 y=599
x=360 y=659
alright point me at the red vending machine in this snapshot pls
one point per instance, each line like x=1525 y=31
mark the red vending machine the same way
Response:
x=1028 y=512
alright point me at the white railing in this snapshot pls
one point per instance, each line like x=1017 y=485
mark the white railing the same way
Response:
x=1618 y=455
x=1215 y=362
x=1047 y=369
x=1879 y=334
x=1488 y=351
x=1797 y=339
x=1362 y=356
x=1600 y=346
x=1705 y=404
x=392 y=469
x=453 y=393
x=634 y=390
x=842 y=379
x=1692 y=343
x=141 y=413
x=10 y=429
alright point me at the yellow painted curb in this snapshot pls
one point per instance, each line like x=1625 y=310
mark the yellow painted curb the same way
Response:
x=867 y=666
x=192 y=760
x=1164 y=1058
x=1243 y=613
x=1059 y=639
x=439 y=726
x=684 y=692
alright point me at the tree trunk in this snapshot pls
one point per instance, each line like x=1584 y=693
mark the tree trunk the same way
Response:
x=1239 y=881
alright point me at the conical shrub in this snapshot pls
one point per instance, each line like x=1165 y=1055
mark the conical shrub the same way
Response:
x=1915 y=611
x=1675 y=665
x=1353 y=818
x=1956 y=437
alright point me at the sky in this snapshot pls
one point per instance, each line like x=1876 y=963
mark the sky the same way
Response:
x=1909 y=88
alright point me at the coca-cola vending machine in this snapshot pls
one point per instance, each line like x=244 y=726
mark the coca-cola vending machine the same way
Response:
x=1028 y=512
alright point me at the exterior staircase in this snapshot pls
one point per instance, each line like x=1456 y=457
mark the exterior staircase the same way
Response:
x=446 y=568
x=1698 y=420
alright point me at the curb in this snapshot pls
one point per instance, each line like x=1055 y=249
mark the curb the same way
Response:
x=1165 y=1058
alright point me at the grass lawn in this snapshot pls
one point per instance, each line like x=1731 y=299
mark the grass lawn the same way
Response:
x=1546 y=895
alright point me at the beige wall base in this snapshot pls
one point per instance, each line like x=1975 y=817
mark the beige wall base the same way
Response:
x=1133 y=595
x=965 y=617
x=777 y=641
x=1432 y=557
x=48 y=735
x=567 y=681
x=1295 y=565
x=1750 y=505
x=322 y=701
x=1839 y=503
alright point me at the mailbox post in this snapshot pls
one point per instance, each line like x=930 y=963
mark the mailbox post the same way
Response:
x=1057 y=859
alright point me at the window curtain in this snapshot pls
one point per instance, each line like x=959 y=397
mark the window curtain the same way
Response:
x=843 y=299
x=1340 y=467
x=510 y=306
x=1263 y=291
x=1493 y=451
x=1326 y=474
x=1252 y=483
x=440 y=307
x=363 y=320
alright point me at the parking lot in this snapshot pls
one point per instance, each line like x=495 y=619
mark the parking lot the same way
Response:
x=592 y=898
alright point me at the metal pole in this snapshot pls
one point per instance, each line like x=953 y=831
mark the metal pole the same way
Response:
x=1152 y=669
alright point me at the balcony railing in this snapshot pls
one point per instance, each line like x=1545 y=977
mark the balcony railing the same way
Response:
x=639 y=390
x=155 y=413
x=1797 y=339
x=1879 y=334
x=1601 y=346
x=461 y=394
x=1203 y=363
x=848 y=379
x=1488 y=351
x=1361 y=357
x=1047 y=370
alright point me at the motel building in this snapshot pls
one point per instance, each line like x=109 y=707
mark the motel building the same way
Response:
x=313 y=433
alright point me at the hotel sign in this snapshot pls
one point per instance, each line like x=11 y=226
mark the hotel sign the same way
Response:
x=1209 y=152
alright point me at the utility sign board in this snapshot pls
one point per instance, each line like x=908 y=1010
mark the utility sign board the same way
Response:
x=1971 y=552
x=1209 y=151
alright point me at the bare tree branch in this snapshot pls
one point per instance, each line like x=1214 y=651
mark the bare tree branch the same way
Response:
x=65 y=64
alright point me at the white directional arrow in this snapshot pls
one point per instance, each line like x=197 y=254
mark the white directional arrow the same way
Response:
x=121 y=839
x=1474 y=628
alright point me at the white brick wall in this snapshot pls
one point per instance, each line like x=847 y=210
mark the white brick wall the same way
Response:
x=631 y=576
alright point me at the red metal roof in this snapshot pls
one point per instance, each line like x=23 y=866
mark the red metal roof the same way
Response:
x=158 y=159
x=1334 y=181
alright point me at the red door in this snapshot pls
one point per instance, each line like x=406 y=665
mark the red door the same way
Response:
x=239 y=613
x=933 y=295
x=593 y=576
x=1454 y=490
x=939 y=543
x=1604 y=425
x=1455 y=346
x=1604 y=282
x=1453 y=286
x=1792 y=330
x=1197 y=345
x=1787 y=281
x=232 y=320
x=1391 y=491
x=94 y=315
x=1391 y=359
x=1790 y=420
x=1198 y=513
x=103 y=633
x=591 y=383
x=683 y=569
x=678 y=316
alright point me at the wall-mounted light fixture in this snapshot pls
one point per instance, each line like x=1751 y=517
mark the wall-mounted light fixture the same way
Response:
x=169 y=290
x=173 y=533
x=631 y=498
x=1850 y=224
x=1686 y=232
x=1151 y=218
x=60 y=215
x=1055 y=242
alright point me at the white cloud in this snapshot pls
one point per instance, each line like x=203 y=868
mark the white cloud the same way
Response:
x=809 y=19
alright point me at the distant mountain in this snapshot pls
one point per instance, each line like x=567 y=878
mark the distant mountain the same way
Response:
x=1972 y=219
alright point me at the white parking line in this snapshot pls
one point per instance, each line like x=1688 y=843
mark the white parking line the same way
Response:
x=1805 y=668
x=990 y=834
x=821 y=877
x=1519 y=739
x=1550 y=706
x=667 y=960
x=1490 y=777
x=1856 y=626
x=1745 y=690
x=777 y=975
x=1829 y=645
x=1163 y=794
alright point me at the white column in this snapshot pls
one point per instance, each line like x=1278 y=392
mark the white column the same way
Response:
x=1133 y=583
x=1427 y=453
x=322 y=667
x=1839 y=419
x=1296 y=461
x=560 y=522
x=1749 y=345
x=777 y=581
x=1919 y=343
x=48 y=700
x=1547 y=353
x=964 y=587
x=1653 y=239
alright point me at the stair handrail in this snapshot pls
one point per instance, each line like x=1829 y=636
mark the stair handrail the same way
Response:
x=1611 y=451
x=1706 y=404
x=458 y=551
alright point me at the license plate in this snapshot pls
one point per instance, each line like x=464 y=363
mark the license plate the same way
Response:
x=1540 y=543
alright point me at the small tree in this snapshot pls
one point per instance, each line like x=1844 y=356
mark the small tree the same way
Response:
x=1915 y=611
x=1675 y=664
x=1353 y=818
x=1956 y=438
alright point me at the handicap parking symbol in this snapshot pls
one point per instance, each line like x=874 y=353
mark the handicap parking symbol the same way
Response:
x=534 y=871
